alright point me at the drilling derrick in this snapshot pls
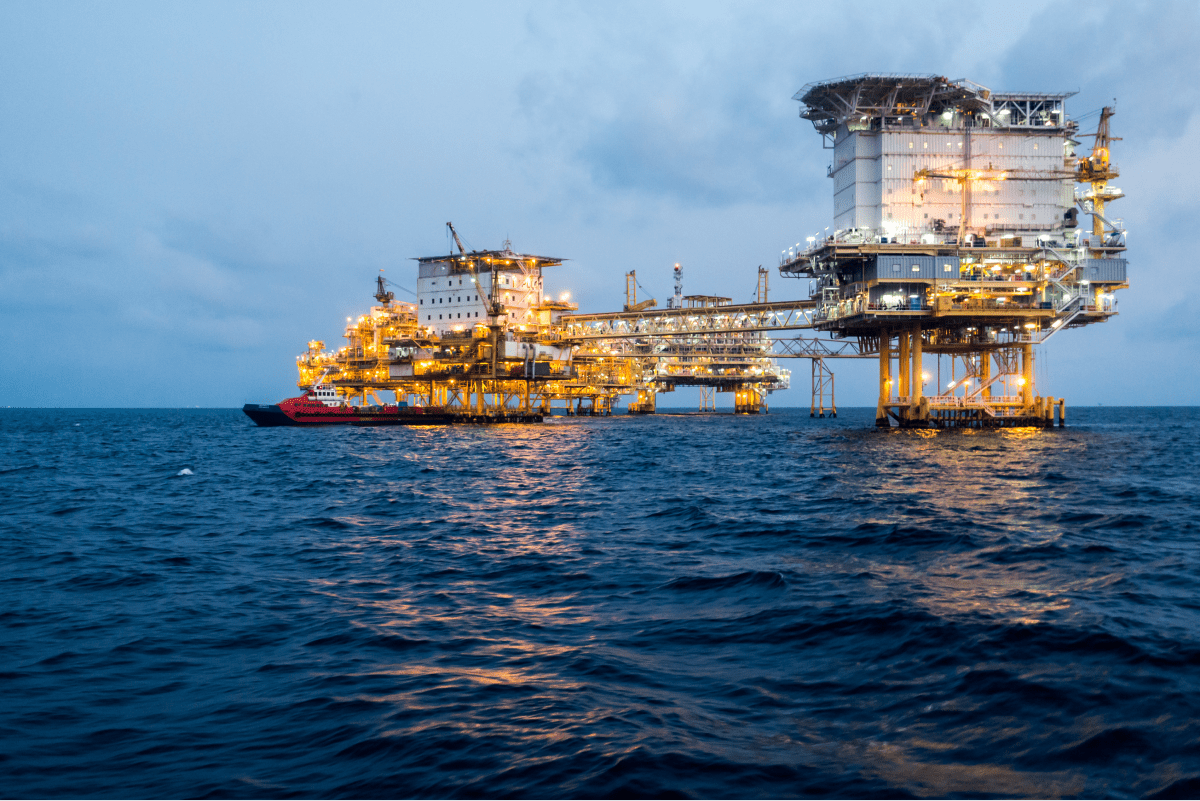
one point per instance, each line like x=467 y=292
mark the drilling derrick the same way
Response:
x=956 y=247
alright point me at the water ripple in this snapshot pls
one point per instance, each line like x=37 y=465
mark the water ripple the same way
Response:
x=660 y=606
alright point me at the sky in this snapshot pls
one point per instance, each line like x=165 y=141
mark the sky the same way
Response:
x=189 y=192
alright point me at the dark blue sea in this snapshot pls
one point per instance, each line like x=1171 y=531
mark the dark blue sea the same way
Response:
x=672 y=606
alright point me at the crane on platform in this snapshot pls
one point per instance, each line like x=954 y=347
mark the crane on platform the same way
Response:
x=457 y=241
x=1097 y=166
x=381 y=293
x=491 y=305
x=1096 y=170
x=631 y=301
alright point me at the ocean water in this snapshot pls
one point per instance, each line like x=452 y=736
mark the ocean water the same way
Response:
x=676 y=606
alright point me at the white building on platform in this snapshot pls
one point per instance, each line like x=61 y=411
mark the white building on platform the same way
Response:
x=913 y=155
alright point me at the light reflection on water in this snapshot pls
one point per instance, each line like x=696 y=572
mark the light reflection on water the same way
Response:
x=710 y=606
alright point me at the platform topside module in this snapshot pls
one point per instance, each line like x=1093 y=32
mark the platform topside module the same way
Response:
x=956 y=234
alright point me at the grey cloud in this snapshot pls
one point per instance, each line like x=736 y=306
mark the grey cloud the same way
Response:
x=706 y=124
x=693 y=105
x=1144 y=55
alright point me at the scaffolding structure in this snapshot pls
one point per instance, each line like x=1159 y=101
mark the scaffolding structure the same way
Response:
x=957 y=238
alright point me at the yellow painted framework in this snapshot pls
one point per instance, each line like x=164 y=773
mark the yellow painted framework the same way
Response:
x=472 y=374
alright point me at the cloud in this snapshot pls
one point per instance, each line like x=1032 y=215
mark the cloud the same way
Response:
x=1140 y=54
x=692 y=103
x=663 y=106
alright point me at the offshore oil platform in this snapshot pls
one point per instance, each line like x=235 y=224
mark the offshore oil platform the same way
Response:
x=956 y=217
x=482 y=343
x=956 y=234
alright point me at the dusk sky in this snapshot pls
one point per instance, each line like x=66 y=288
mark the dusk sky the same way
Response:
x=190 y=192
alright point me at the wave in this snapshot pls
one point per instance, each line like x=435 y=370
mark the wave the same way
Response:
x=600 y=608
x=756 y=579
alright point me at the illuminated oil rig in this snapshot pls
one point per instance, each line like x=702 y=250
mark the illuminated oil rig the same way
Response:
x=482 y=342
x=956 y=234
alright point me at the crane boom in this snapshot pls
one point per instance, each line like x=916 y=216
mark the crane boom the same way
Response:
x=381 y=293
x=457 y=241
x=491 y=303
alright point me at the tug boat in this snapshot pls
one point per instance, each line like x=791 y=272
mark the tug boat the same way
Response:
x=321 y=406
